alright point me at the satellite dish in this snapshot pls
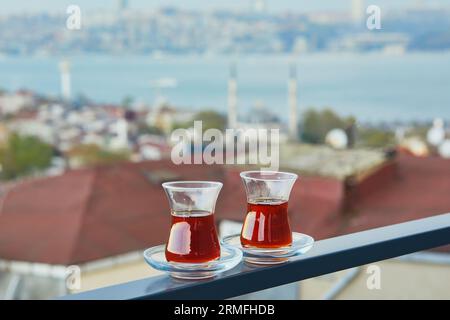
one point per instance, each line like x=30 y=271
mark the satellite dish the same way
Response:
x=416 y=146
x=444 y=149
x=436 y=134
x=337 y=138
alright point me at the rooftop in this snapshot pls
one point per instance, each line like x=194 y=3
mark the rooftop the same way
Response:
x=320 y=160
x=94 y=213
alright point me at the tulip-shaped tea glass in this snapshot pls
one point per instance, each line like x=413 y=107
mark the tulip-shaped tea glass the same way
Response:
x=266 y=236
x=193 y=250
x=193 y=236
x=266 y=224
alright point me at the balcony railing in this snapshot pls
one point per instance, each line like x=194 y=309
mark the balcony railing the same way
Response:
x=325 y=257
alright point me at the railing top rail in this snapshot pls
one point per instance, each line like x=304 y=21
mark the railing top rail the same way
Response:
x=325 y=257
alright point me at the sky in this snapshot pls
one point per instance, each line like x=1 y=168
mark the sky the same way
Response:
x=27 y=6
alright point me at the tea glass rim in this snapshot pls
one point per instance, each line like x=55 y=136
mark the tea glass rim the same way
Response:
x=288 y=176
x=202 y=185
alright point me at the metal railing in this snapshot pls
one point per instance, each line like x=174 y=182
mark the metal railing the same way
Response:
x=325 y=257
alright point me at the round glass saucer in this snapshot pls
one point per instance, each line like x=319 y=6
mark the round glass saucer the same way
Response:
x=229 y=258
x=301 y=243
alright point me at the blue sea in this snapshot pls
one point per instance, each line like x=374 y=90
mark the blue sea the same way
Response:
x=372 y=87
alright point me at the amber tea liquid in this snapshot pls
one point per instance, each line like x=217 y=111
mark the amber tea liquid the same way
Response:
x=266 y=224
x=193 y=238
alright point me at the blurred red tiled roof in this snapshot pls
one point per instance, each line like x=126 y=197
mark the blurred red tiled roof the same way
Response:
x=88 y=214
x=419 y=187
x=94 y=213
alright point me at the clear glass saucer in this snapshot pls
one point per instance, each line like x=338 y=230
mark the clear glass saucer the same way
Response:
x=301 y=243
x=229 y=258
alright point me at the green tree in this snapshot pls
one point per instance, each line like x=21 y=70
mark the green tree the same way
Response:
x=23 y=155
x=375 y=138
x=91 y=155
x=210 y=120
x=127 y=101
x=316 y=124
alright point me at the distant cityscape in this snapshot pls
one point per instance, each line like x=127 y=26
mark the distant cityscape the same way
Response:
x=79 y=132
x=182 y=31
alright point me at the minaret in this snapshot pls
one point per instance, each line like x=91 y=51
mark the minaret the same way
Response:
x=357 y=12
x=122 y=132
x=64 y=69
x=122 y=5
x=232 y=97
x=292 y=101
x=120 y=141
x=259 y=6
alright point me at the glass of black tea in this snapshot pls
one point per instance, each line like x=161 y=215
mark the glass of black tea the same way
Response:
x=193 y=235
x=266 y=223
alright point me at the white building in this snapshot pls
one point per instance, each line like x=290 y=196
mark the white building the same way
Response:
x=32 y=127
x=11 y=103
